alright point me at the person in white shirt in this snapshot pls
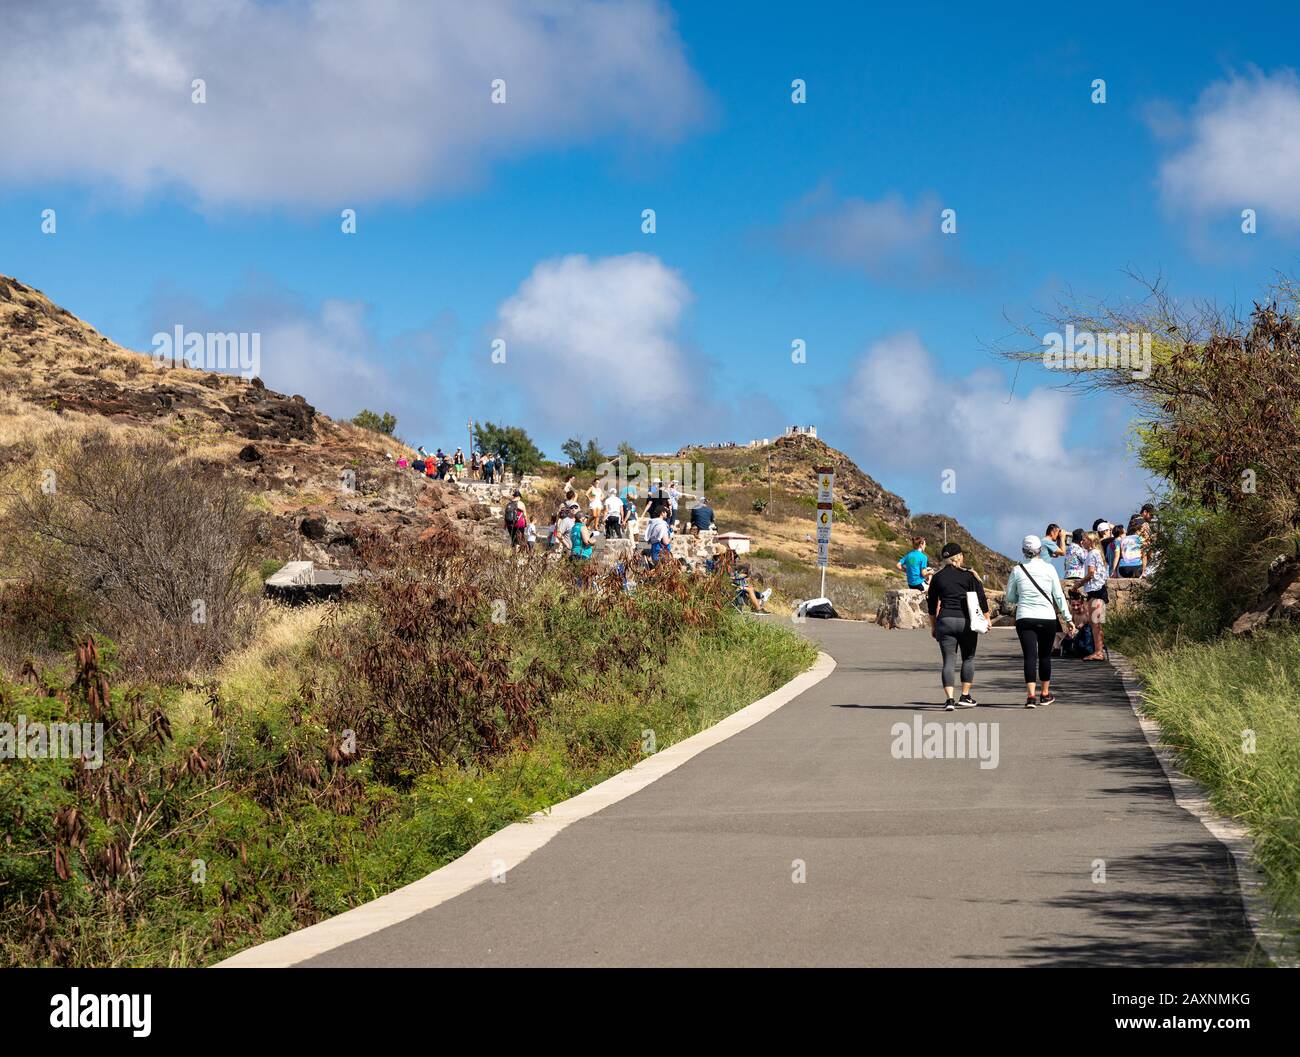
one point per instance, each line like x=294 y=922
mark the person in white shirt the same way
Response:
x=613 y=514
x=564 y=526
x=674 y=494
x=1035 y=590
x=656 y=534
x=1076 y=559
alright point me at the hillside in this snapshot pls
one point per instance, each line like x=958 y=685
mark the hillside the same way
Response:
x=871 y=529
x=62 y=378
x=768 y=492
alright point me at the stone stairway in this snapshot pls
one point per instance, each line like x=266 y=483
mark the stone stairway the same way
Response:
x=495 y=496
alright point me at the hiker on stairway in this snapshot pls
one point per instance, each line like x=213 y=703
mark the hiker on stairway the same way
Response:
x=564 y=519
x=580 y=542
x=595 y=503
x=516 y=519
x=657 y=534
x=951 y=624
x=614 y=515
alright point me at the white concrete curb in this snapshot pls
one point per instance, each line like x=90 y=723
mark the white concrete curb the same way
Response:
x=1194 y=798
x=510 y=846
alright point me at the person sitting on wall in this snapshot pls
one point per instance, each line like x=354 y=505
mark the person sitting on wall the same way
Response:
x=915 y=565
x=701 y=517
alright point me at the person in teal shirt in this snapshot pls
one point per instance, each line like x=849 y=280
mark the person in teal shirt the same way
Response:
x=915 y=565
x=581 y=542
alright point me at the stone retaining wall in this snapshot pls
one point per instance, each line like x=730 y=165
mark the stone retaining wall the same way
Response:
x=905 y=607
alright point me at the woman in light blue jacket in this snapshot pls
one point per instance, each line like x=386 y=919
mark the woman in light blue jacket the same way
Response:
x=1035 y=589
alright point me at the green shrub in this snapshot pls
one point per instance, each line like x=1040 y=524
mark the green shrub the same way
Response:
x=1209 y=569
x=252 y=819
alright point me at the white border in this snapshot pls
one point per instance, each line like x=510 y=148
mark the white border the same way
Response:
x=1193 y=798
x=508 y=847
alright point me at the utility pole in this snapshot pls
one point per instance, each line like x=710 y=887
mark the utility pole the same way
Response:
x=945 y=532
x=469 y=425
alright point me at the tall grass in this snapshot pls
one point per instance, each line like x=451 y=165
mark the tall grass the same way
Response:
x=1231 y=710
x=1215 y=696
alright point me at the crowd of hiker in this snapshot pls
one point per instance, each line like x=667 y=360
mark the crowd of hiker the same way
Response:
x=1057 y=614
x=603 y=511
x=489 y=467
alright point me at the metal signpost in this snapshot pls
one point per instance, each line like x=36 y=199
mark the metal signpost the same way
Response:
x=825 y=517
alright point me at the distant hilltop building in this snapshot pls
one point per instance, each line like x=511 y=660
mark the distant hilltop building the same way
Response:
x=790 y=431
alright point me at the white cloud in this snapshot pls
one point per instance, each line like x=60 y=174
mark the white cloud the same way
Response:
x=326 y=102
x=887 y=238
x=1017 y=464
x=330 y=354
x=1242 y=150
x=592 y=348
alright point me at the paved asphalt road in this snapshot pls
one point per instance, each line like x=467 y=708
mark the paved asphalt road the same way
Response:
x=908 y=862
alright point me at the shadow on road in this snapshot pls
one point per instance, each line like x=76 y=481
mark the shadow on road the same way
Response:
x=1175 y=906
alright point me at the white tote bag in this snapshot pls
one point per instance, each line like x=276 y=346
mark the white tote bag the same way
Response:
x=978 y=623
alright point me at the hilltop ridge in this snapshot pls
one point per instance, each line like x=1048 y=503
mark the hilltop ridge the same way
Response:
x=62 y=377
x=318 y=480
x=872 y=525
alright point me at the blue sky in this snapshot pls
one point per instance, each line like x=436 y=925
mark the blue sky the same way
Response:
x=775 y=221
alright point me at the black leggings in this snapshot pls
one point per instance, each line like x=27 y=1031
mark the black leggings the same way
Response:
x=1036 y=636
x=953 y=639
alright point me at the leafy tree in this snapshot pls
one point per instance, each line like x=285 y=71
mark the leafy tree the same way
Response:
x=384 y=423
x=629 y=453
x=511 y=442
x=586 y=456
x=1218 y=410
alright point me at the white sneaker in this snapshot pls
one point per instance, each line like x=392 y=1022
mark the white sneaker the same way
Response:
x=765 y=594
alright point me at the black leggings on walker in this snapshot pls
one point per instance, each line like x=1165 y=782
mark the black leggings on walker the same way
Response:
x=953 y=639
x=1036 y=636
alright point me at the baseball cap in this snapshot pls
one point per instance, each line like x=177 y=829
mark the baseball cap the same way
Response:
x=1031 y=544
x=950 y=550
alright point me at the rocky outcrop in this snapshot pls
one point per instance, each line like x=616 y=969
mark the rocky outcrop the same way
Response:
x=903 y=609
x=1279 y=602
x=242 y=408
